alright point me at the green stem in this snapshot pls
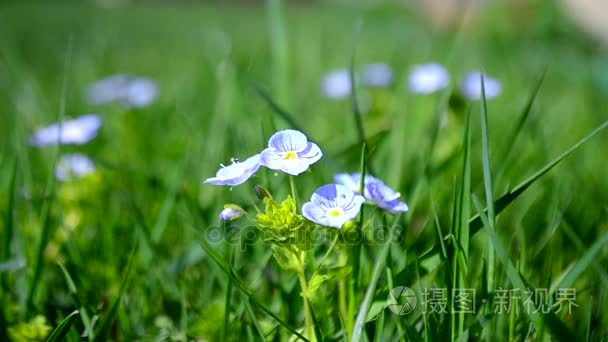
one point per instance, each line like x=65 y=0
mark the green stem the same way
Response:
x=308 y=326
x=292 y=184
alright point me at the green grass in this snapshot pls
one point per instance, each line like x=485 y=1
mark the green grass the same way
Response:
x=511 y=193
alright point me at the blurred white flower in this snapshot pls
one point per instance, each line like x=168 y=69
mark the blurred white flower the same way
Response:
x=141 y=92
x=470 y=87
x=108 y=90
x=73 y=166
x=377 y=75
x=428 y=78
x=77 y=131
x=135 y=92
x=336 y=84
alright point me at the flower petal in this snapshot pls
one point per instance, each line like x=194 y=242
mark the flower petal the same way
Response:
x=275 y=160
x=288 y=140
x=312 y=152
x=237 y=173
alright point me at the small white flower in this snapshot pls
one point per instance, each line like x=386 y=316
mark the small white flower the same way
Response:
x=77 y=131
x=73 y=166
x=471 y=86
x=428 y=78
x=237 y=173
x=291 y=152
x=141 y=92
x=377 y=75
x=336 y=84
x=333 y=205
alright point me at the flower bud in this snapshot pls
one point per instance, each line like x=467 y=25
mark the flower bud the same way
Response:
x=231 y=212
x=262 y=193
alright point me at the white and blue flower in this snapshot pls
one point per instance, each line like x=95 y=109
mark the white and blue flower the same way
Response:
x=291 y=152
x=333 y=205
x=470 y=87
x=236 y=173
x=374 y=191
x=428 y=78
x=74 y=166
x=336 y=84
x=377 y=75
x=77 y=131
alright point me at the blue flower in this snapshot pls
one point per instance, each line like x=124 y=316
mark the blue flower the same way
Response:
x=336 y=84
x=72 y=166
x=377 y=75
x=235 y=173
x=374 y=191
x=231 y=213
x=77 y=131
x=470 y=87
x=108 y=90
x=291 y=152
x=333 y=205
x=141 y=92
x=428 y=78
x=135 y=92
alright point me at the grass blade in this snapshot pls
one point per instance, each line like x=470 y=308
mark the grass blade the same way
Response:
x=518 y=128
x=353 y=84
x=277 y=109
x=104 y=330
x=46 y=209
x=461 y=231
x=63 y=328
x=502 y=202
x=487 y=182
x=584 y=262
x=559 y=330
x=86 y=321
x=356 y=335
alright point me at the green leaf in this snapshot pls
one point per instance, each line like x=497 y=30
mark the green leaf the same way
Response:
x=63 y=328
x=241 y=285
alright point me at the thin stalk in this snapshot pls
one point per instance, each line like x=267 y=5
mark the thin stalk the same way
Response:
x=292 y=185
x=308 y=326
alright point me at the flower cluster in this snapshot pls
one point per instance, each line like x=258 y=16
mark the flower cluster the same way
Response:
x=131 y=91
x=78 y=131
x=423 y=79
x=331 y=205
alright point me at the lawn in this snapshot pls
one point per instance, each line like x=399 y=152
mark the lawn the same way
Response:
x=507 y=197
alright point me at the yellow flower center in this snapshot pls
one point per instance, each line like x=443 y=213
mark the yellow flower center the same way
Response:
x=335 y=212
x=290 y=155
